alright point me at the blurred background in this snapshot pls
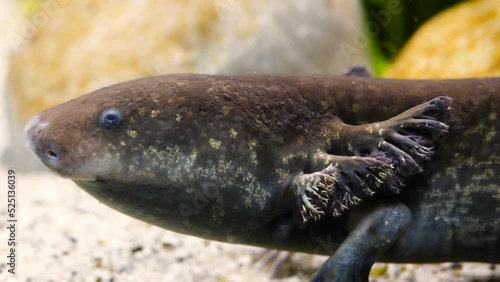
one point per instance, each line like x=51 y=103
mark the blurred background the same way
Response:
x=55 y=50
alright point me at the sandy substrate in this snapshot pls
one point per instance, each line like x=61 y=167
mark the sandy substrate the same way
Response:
x=64 y=234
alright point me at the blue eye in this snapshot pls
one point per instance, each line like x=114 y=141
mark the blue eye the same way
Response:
x=110 y=119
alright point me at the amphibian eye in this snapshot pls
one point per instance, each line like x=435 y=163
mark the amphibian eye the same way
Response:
x=110 y=119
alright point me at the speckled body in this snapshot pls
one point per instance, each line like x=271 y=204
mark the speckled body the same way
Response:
x=214 y=157
x=455 y=202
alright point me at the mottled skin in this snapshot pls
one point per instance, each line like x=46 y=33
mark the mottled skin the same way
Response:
x=223 y=158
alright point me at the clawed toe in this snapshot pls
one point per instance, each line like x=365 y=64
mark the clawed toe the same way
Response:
x=338 y=187
x=410 y=138
x=443 y=102
x=361 y=178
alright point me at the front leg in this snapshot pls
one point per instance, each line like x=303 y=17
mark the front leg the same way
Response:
x=362 y=159
x=376 y=228
x=339 y=182
x=408 y=138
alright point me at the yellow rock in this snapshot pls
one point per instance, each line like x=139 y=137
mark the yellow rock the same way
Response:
x=378 y=270
x=463 y=41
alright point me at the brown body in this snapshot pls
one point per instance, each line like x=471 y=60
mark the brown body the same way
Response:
x=219 y=157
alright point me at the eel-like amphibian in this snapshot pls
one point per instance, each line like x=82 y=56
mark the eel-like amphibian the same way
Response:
x=284 y=161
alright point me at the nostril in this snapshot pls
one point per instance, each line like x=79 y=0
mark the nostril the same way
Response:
x=51 y=154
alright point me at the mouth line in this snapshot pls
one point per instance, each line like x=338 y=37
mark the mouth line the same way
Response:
x=76 y=177
x=98 y=179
